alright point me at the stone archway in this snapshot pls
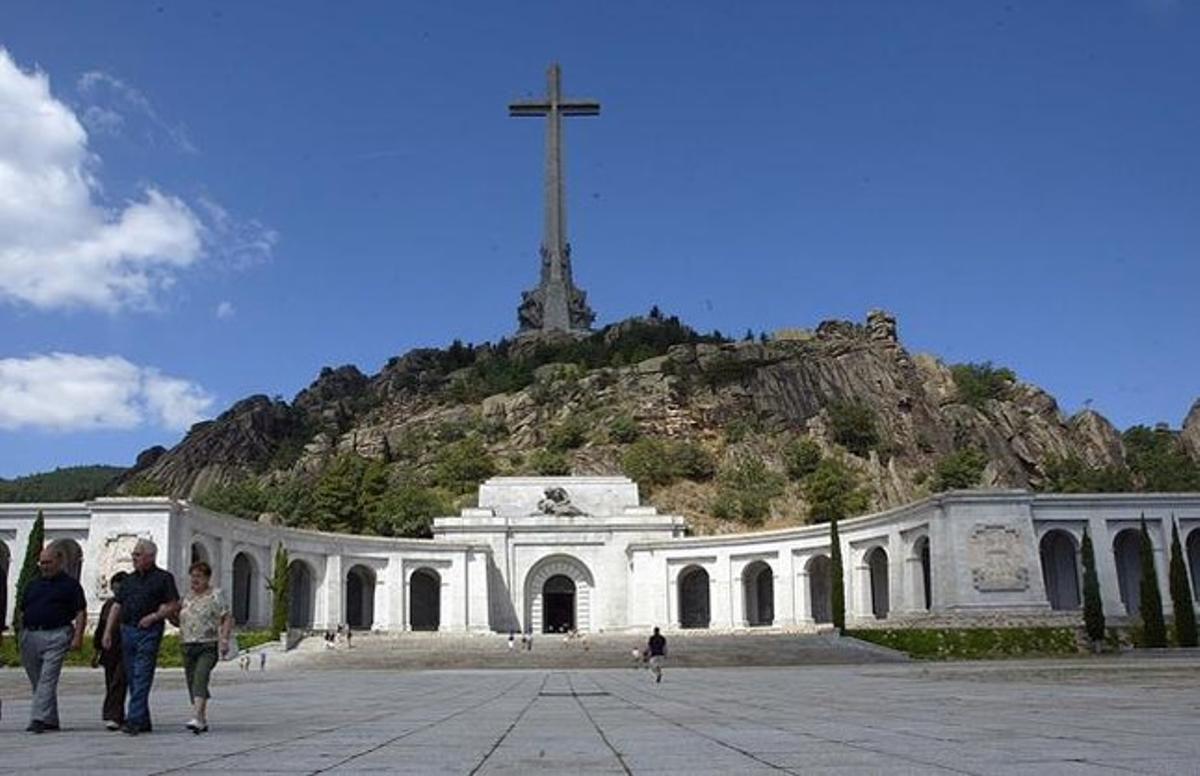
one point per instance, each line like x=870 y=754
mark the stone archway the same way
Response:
x=820 y=589
x=1060 y=570
x=5 y=562
x=1127 y=546
x=877 y=565
x=558 y=604
x=72 y=556
x=301 y=595
x=758 y=592
x=245 y=577
x=1193 y=560
x=360 y=597
x=694 y=606
x=200 y=554
x=535 y=589
x=425 y=600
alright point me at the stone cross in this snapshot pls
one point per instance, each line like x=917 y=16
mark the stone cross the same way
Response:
x=556 y=304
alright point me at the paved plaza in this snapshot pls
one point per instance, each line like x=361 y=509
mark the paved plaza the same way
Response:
x=1133 y=715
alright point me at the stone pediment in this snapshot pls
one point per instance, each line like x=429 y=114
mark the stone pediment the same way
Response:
x=559 y=496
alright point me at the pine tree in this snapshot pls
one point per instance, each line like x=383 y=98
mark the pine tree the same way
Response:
x=29 y=569
x=837 y=592
x=279 y=590
x=1154 y=629
x=1093 y=606
x=1181 y=593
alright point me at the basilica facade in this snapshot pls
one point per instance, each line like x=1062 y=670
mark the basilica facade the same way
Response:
x=547 y=554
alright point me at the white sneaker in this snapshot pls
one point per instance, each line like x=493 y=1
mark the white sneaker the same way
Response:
x=192 y=724
x=111 y=725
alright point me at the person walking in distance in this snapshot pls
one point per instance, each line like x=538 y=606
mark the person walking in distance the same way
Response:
x=146 y=600
x=113 y=711
x=53 y=616
x=204 y=628
x=657 y=647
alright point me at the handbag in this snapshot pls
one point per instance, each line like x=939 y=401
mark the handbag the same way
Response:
x=233 y=650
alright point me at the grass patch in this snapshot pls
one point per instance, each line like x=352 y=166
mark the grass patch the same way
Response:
x=973 y=643
x=170 y=654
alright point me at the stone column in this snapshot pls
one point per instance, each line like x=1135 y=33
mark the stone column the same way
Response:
x=1106 y=566
x=395 y=593
x=223 y=566
x=334 y=594
x=785 y=589
x=722 y=598
x=802 y=598
x=862 y=585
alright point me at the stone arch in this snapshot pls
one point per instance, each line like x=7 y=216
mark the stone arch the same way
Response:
x=820 y=588
x=758 y=593
x=245 y=583
x=301 y=595
x=200 y=552
x=1193 y=560
x=1060 y=569
x=72 y=555
x=5 y=563
x=360 y=597
x=695 y=609
x=877 y=568
x=425 y=600
x=535 y=581
x=924 y=581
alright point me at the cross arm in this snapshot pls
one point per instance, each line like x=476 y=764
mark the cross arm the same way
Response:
x=567 y=108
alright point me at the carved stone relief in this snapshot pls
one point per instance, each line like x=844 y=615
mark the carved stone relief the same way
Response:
x=996 y=554
x=115 y=555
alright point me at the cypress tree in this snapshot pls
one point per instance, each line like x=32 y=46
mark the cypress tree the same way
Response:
x=1181 y=593
x=279 y=589
x=29 y=569
x=1093 y=606
x=1154 y=629
x=837 y=592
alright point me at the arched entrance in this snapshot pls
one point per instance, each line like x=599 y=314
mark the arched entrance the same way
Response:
x=200 y=553
x=360 y=597
x=758 y=590
x=558 y=604
x=1060 y=572
x=1127 y=554
x=877 y=564
x=425 y=600
x=820 y=589
x=245 y=575
x=72 y=555
x=1193 y=558
x=537 y=596
x=300 y=595
x=5 y=562
x=925 y=591
x=694 y=609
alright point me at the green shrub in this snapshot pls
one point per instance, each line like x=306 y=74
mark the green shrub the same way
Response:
x=460 y=467
x=1070 y=474
x=408 y=510
x=745 y=490
x=623 y=430
x=279 y=591
x=1157 y=461
x=801 y=457
x=978 y=383
x=837 y=574
x=1093 y=604
x=655 y=462
x=973 y=643
x=550 y=463
x=853 y=426
x=244 y=498
x=29 y=566
x=1181 y=593
x=959 y=470
x=832 y=491
x=568 y=435
x=1153 y=625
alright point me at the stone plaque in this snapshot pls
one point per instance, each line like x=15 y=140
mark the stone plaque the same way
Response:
x=997 y=557
x=115 y=555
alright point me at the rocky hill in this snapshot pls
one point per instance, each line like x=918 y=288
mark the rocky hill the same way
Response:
x=769 y=431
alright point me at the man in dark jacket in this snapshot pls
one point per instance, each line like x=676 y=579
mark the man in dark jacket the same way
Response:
x=657 y=647
x=113 y=661
x=53 y=616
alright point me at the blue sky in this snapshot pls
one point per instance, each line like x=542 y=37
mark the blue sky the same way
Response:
x=263 y=189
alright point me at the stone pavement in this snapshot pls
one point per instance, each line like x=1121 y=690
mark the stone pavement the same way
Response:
x=1129 y=715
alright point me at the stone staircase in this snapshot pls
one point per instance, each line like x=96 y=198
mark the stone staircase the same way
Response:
x=610 y=650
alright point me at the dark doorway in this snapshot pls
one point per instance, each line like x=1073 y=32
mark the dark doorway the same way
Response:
x=877 y=562
x=425 y=600
x=4 y=564
x=693 y=598
x=820 y=589
x=1193 y=554
x=759 y=583
x=360 y=598
x=926 y=587
x=243 y=589
x=1060 y=574
x=558 y=604
x=301 y=594
x=1127 y=554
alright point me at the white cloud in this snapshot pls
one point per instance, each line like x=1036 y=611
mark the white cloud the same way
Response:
x=61 y=245
x=111 y=99
x=225 y=311
x=68 y=392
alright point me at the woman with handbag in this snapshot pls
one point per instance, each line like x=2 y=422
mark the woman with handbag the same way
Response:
x=205 y=625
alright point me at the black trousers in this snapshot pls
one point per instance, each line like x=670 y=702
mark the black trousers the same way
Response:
x=114 y=692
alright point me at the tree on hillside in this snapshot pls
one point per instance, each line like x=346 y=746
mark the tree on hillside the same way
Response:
x=854 y=426
x=801 y=457
x=279 y=592
x=832 y=491
x=1181 y=593
x=29 y=568
x=959 y=470
x=1154 y=629
x=837 y=592
x=1093 y=606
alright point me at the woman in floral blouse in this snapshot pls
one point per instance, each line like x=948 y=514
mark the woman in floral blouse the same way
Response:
x=204 y=628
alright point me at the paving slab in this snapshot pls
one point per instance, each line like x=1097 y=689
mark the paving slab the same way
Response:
x=1020 y=717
